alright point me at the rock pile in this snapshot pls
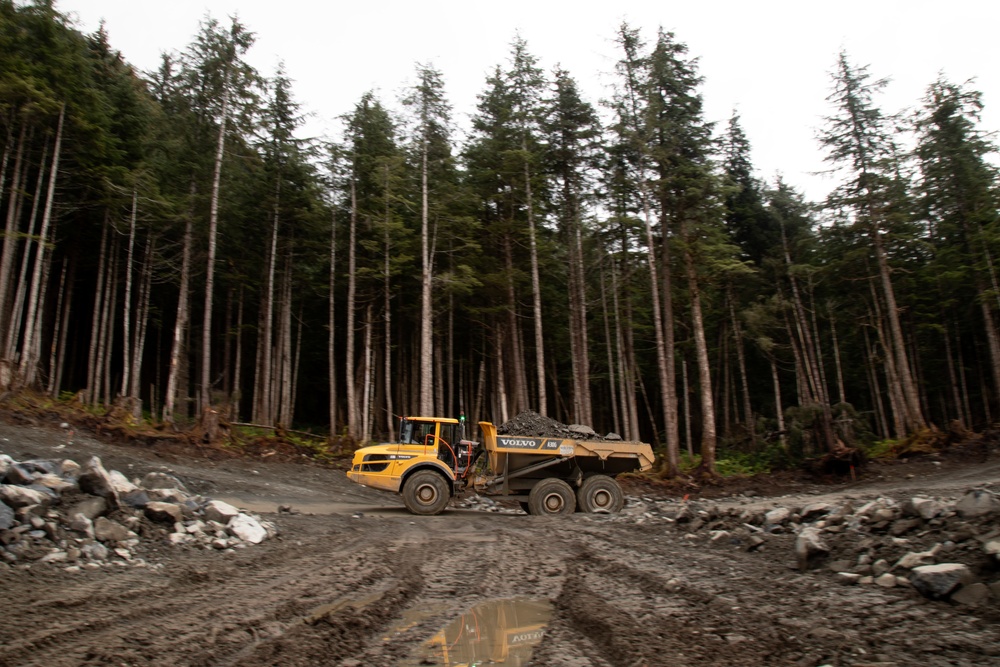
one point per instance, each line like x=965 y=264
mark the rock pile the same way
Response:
x=945 y=548
x=533 y=425
x=57 y=511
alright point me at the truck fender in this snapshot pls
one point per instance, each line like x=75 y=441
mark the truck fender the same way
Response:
x=439 y=467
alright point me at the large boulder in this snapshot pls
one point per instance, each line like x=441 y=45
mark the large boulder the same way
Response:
x=107 y=530
x=90 y=508
x=96 y=481
x=22 y=496
x=979 y=502
x=808 y=543
x=247 y=528
x=217 y=510
x=161 y=480
x=6 y=516
x=164 y=512
x=939 y=581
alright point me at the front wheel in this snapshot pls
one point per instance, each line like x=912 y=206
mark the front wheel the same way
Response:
x=600 y=493
x=426 y=493
x=551 y=496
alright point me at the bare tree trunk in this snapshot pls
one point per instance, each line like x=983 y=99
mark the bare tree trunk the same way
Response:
x=29 y=361
x=664 y=365
x=536 y=290
x=778 y=405
x=10 y=230
x=180 y=323
x=237 y=395
x=366 y=434
x=285 y=404
x=332 y=338
x=836 y=359
x=95 y=321
x=352 y=401
x=213 y=232
x=708 y=435
x=127 y=301
x=265 y=411
x=612 y=383
x=686 y=387
x=744 y=382
x=107 y=344
x=141 y=323
x=953 y=378
x=501 y=390
x=20 y=291
x=387 y=269
x=914 y=417
x=58 y=347
x=520 y=398
x=426 y=294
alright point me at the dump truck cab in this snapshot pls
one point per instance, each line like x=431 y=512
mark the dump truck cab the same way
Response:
x=430 y=454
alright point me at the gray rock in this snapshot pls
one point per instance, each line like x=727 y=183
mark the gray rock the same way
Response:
x=5 y=463
x=808 y=543
x=915 y=559
x=163 y=512
x=582 y=429
x=247 y=529
x=977 y=503
x=216 y=510
x=6 y=517
x=990 y=548
x=903 y=526
x=54 y=482
x=137 y=498
x=886 y=580
x=107 y=530
x=612 y=436
x=161 y=480
x=95 y=480
x=22 y=496
x=972 y=595
x=90 y=508
x=847 y=578
x=777 y=516
x=95 y=551
x=938 y=581
x=121 y=483
x=69 y=468
x=926 y=508
x=82 y=524
x=814 y=510
x=21 y=474
x=880 y=567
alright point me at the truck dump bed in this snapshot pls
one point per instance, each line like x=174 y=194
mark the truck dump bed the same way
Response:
x=517 y=462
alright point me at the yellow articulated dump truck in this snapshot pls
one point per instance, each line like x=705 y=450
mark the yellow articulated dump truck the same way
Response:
x=432 y=461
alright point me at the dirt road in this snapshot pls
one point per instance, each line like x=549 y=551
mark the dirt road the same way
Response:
x=353 y=580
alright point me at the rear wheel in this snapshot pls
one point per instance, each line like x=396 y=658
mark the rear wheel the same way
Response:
x=551 y=496
x=426 y=492
x=600 y=493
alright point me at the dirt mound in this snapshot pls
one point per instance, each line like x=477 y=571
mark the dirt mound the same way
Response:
x=533 y=425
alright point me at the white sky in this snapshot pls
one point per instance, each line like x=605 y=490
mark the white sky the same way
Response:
x=769 y=59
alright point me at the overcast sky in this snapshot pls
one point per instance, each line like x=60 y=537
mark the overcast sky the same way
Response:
x=768 y=59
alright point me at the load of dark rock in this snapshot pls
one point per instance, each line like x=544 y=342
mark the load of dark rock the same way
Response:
x=62 y=513
x=533 y=425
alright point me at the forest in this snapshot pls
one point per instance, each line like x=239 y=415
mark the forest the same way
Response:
x=174 y=250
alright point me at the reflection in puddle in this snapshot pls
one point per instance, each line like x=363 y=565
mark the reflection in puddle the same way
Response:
x=498 y=632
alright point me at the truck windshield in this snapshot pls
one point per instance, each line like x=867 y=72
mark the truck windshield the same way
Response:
x=416 y=433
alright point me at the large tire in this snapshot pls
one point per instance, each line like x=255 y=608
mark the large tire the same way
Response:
x=600 y=493
x=551 y=496
x=426 y=492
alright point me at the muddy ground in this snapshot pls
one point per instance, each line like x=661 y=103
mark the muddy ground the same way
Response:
x=353 y=580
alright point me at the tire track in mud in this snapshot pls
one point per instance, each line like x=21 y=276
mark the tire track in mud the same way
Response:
x=481 y=561
x=202 y=614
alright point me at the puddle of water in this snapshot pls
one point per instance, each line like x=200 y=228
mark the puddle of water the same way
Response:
x=497 y=632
